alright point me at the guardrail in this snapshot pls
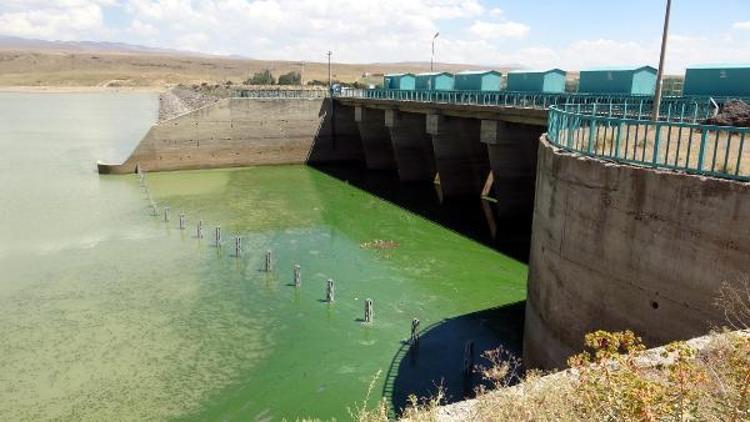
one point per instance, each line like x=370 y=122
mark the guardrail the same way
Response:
x=674 y=142
x=683 y=108
x=280 y=93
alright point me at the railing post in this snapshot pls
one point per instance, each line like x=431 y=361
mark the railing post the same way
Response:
x=657 y=137
x=702 y=150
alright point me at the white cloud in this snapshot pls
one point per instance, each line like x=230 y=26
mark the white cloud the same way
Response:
x=487 y=30
x=745 y=26
x=65 y=19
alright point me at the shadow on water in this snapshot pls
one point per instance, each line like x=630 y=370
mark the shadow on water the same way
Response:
x=470 y=217
x=438 y=359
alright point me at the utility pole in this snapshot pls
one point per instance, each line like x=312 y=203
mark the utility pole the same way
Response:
x=660 y=72
x=329 y=70
x=432 y=57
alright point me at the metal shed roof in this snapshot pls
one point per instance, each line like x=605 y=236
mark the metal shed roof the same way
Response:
x=477 y=72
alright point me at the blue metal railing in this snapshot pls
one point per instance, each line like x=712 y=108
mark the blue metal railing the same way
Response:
x=677 y=141
x=280 y=93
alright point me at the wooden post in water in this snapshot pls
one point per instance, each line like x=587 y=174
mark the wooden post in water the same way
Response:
x=217 y=236
x=468 y=358
x=297 y=275
x=368 y=311
x=182 y=221
x=166 y=214
x=199 y=230
x=237 y=246
x=269 y=262
x=414 y=331
x=330 y=293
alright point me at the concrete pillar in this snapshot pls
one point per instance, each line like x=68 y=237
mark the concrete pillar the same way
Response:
x=376 y=141
x=512 y=149
x=337 y=139
x=412 y=146
x=460 y=158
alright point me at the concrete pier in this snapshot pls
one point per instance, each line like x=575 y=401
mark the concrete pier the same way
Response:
x=412 y=145
x=376 y=140
x=460 y=158
x=512 y=151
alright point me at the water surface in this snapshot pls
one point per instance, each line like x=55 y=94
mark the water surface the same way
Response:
x=107 y=312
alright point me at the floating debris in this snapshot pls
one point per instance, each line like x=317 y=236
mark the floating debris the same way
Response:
x=379 y=244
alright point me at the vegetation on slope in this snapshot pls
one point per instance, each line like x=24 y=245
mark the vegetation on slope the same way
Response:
x=616 y=379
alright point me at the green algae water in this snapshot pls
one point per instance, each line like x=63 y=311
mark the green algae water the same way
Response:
x=109 y=313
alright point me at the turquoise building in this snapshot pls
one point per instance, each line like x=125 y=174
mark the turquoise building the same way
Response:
x=718 y=80
x=549 y=81
x=435 y=81
x=478 y=80
x=400 y=81
x=622 y=80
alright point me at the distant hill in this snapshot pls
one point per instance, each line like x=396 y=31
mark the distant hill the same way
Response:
x=15 y=43
x=30 y=62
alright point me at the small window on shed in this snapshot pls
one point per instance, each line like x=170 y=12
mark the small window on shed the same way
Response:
x=609 y=76
x=723 y=74
x=525 y=76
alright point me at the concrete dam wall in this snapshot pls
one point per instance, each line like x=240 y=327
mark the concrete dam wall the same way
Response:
x=243 y=132
x=620 y=247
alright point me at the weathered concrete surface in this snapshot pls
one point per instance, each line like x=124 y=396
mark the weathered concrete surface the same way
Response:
x=412 y=146
x=512 y=148
x=460 y=158
x=338 y=139
x=376 y=140
x=239 y=132
x=619 y=247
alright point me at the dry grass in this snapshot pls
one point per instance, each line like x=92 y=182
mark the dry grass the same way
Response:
x=65 y=68
x=724 y=151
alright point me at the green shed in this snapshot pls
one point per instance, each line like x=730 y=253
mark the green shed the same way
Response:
x=400 y=81
x=718 y=80
x=621 y=80
x=478 y=80
x=435 y=81
x=551 y=81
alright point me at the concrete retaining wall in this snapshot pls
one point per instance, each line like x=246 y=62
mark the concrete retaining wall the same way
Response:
x=237 y=132
x=619 y=247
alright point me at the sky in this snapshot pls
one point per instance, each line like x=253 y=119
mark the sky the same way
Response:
x=569 y=34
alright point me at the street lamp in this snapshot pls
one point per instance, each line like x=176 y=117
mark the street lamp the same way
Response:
x=329 y=69
x=660 y=73
x=432 y=58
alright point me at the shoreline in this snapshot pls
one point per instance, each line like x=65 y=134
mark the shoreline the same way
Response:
x=82 y=89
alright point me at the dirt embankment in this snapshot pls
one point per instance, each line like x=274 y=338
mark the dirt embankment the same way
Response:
x=183 y=99
x=732 y=113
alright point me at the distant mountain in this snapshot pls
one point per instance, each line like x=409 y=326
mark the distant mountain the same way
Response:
x=8 y=42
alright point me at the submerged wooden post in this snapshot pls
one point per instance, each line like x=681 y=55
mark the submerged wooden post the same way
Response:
x=199 y=229
x=182 y=221
x=217 y=236
x=368 y=310
x=297 y=276
x=330 y=293
x=469 y=358
x=166 y=214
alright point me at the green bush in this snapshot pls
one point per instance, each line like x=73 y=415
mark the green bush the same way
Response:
x=261 y=78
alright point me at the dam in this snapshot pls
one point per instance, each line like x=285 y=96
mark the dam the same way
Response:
x=588 y=216
x=628 y=214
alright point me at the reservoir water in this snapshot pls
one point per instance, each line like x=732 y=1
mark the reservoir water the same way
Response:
x=109 y=313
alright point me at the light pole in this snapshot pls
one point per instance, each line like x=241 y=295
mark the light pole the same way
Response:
x=432 y=57
x=660 y=72
x=329 y=69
